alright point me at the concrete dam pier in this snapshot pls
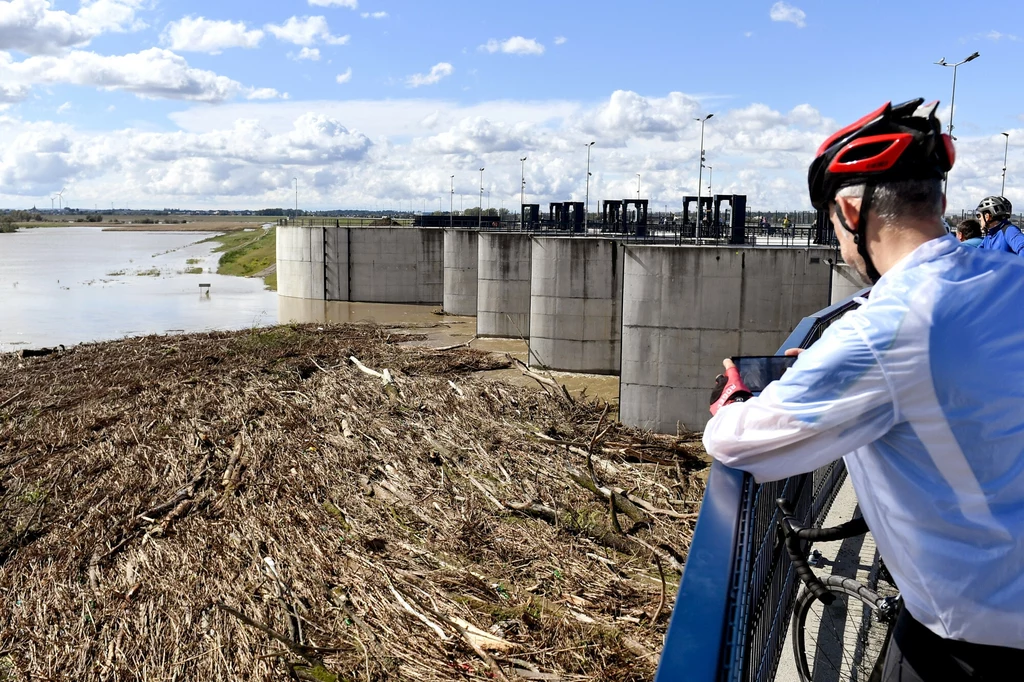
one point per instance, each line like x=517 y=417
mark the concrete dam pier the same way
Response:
x=661 y=316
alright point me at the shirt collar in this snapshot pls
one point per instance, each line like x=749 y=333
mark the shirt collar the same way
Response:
x=932 y=249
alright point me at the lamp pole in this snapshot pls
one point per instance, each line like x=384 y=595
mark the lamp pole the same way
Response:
x=451 y=204
x=1006 y=149
x=586 y=210
x=638 y=187
x=952 y=102
x=296 y=197
x=711 y=177
x=522 y=194
x=700 y=171
x=480 y=210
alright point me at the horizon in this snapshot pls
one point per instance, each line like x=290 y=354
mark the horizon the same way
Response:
x=370 y=102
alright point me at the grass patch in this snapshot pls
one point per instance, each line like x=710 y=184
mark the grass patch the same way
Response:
x=193 y=271
x=151 y=272
x=192 y=261
x=116 y=273
x=244 y=254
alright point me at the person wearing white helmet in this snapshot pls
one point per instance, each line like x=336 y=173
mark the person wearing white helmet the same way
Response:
x=1000 y=234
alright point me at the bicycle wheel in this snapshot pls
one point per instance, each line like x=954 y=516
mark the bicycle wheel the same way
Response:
x=840 y=642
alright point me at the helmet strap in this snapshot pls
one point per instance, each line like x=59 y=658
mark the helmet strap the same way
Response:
x=860 y=234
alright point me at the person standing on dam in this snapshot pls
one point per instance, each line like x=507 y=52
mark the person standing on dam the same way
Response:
x=933 y=438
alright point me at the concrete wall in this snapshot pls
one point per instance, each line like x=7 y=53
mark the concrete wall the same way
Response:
x=576 y=305
x=686 y=308
x=396 y=265
x=300 y=262
x=336 y=272
x=503 y=294
x=461 y=265
x=845 y=282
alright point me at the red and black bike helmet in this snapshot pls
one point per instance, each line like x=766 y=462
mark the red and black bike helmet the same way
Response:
x=902 y=142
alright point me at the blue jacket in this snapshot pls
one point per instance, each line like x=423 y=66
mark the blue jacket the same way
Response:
x=1009 y=239
x=922 y=390
x=973 y=242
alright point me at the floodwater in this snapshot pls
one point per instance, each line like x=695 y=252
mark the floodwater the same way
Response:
x=70 y=285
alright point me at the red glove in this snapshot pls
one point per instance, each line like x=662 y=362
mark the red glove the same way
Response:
x=729 y=388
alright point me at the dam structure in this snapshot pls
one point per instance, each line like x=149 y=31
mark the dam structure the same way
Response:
x=661 y=316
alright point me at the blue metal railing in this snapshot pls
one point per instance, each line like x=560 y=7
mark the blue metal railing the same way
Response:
x=736 y=595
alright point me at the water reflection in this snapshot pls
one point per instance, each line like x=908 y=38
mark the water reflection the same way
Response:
x=77 y=284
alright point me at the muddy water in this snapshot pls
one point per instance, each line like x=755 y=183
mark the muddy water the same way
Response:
x=70 y=285
x=441 y=330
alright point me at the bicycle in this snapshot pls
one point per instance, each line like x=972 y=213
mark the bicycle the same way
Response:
x=840 y=628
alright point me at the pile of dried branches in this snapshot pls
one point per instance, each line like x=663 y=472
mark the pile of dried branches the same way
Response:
x=260 y=505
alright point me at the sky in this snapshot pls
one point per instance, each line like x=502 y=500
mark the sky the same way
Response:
x=375 y=104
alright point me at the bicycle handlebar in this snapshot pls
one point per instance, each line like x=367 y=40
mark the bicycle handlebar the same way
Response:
x=793 y=532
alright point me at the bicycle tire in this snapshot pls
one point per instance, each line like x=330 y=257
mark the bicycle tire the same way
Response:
x=847 y=642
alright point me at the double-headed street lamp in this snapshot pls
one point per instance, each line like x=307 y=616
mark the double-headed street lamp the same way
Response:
x=700 y=172
x=1006 y=149
x=952 y=101
x=480 y=210
x=586 y=210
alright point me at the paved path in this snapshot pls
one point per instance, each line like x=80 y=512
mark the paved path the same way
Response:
x=851 y=558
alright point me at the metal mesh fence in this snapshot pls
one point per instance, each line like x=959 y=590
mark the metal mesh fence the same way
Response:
x=764 y=583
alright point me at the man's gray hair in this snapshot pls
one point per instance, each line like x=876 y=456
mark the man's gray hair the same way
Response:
x=895 y=201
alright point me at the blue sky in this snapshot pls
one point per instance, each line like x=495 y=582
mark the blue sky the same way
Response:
x=154 y=103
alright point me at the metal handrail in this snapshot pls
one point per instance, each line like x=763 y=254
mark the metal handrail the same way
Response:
x=738 y=587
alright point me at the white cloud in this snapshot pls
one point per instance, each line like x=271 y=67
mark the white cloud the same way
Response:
x=197 y=34
x=64 y=107
x=344 y=77
x=111 y=108
x=306 y=31
x=32 y=27
x=437 y=72
x=748 y=34
x=994 y=36
x=561 y=40
x=351 y=4
x=780 y=11
x=374 y=15
x=310 y=53
x=514 y=45
x=152 y=73
x=264 y=93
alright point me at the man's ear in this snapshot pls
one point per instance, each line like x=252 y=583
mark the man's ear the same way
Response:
x=848 y=209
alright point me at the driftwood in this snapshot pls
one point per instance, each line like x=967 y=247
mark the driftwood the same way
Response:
x=40 y=352
x=143 y=485
x=545 y=382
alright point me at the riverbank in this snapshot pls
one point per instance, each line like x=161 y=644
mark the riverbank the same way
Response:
x=240 y=505
x=248 y=254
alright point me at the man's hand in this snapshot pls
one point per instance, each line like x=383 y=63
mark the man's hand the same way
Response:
x=729 y=388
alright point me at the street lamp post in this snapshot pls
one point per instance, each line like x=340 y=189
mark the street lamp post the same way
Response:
x=296 y=197
x=480 y=210
x=451 y=204
x=1006 y=149
x=952 y=101
x=586 y=210
x=711 y=177
x=700 y=171
x=522 y=195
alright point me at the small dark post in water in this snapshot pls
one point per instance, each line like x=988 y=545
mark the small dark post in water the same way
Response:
x=204 y=285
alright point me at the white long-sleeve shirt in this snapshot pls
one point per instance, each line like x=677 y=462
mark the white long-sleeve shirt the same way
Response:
x=922 y=390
